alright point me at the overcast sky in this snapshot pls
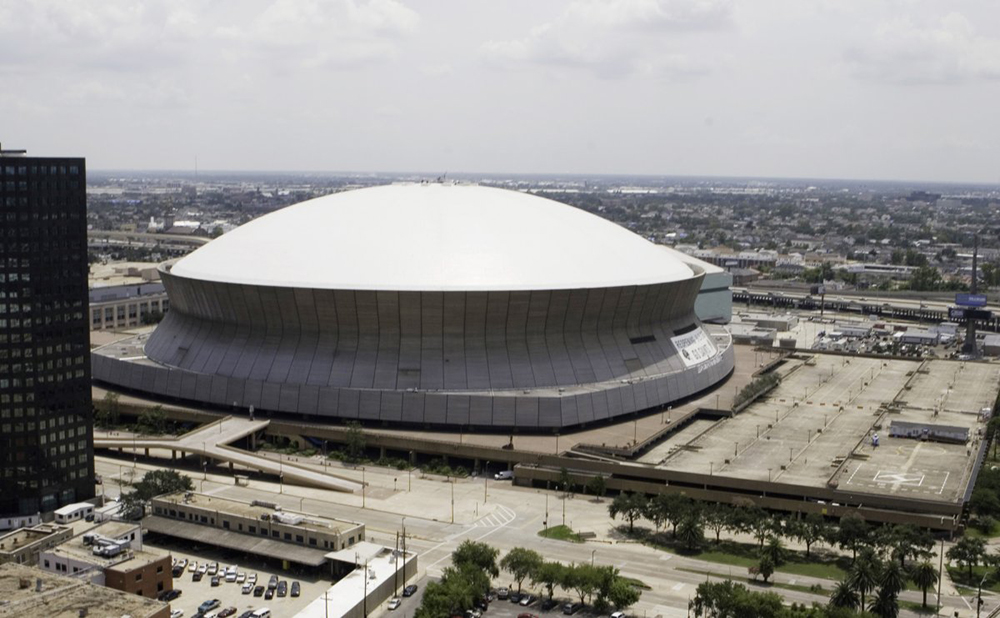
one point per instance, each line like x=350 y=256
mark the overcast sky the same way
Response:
x=882 y=89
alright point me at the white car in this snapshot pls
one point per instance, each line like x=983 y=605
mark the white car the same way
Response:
x=231 y=576
x=241 y=577
x=203 y=569
x=213 y=568
x=177 y=613
x=395 y=602
x=247 y=588
x=618 y=615
x=252 y=579
x=193 y=566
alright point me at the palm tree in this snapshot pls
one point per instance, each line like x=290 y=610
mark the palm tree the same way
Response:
x=885 y=605
x=925 y=576
x=892 y=578
x=864 y=574
x=844 y=595
x=774 y=550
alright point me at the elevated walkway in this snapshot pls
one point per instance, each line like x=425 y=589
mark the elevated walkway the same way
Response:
x=212 y=441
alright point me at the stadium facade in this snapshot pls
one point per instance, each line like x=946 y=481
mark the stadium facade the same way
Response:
x=430 y=304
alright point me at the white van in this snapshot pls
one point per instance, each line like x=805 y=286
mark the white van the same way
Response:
x=504 y=475
x=262 y=613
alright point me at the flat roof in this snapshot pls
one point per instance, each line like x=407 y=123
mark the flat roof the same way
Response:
x=258 y=545
x=315 y=523
x=64 y=597
x=347 y=593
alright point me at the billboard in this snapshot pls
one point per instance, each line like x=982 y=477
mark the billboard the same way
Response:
x=970 y=300
x=694 y=347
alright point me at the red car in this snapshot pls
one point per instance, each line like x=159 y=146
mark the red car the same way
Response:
x=229 y=611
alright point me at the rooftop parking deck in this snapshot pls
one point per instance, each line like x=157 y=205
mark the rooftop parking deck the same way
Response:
x=815 y=429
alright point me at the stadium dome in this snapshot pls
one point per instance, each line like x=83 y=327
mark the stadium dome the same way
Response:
x=432 y=237
x=441 y=305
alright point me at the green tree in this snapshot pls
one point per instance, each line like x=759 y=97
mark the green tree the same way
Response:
x=864 y=573
x=565 y=480
x=774 y=550
x=925 y=576
x=550 y=575
x=597 y=486
x=730 y=600
x=925 y=278
x=844 y=595
x=853 y=533
x=478 y=555
x=886 y=604
x=893 y=577
x=622 y=594
x=717 y=518
x=810 y=530
x=521 y=563
x=629 y=505
x=580 y=578
x=354 y=443
x=152 y=421
x=154 y=483
x=691 y=532
x=765 y=567
x=109 y=413
x=968 y=552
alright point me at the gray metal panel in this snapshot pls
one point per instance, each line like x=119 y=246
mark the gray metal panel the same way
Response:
x=288 y=398
x=526 y=412
x=391 y=408
x=436 y=408
x=503 y=411
x=480 y=411
x=368 y=405
x=458 y=410
x=550 y=412
x=413 y=407
x=348 y=404
x=308 y=399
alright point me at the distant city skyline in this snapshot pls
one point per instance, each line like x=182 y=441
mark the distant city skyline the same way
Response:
x=902 y=90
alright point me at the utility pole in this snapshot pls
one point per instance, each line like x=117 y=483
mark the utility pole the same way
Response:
x=969 y=347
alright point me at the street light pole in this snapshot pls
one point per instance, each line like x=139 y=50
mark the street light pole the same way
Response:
x=592 y=558
x=363 y=488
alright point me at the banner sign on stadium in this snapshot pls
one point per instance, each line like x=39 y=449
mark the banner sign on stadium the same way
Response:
x=695 y=347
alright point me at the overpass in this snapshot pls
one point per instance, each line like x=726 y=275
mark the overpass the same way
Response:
x=212 y=441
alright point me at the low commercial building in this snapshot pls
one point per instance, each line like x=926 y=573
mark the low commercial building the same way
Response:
x=90 y=555
x=29 y=591
x=991 y=345
x=781 y=323
x=24 y=545
x=144 y=574
x=374 y=574
x=126 y=306
x=257 y=528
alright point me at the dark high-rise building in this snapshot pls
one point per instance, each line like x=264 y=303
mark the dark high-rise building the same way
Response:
x=46 y=419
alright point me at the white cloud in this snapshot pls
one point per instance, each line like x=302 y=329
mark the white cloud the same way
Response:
x=325 y=33
x=616 y=38
x=946 y=50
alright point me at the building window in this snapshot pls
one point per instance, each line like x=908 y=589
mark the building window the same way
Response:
x=298 y=538
x=138 y=577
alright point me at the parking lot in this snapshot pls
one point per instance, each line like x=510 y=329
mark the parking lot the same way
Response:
x=230 y=594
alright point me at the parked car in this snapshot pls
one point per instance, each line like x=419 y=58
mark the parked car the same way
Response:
x=241 y=577
x=176 y=613
x=247 y=614
x=504 y=475
x=528 y=599
x=209 y=604
x=548 y=604
x=193 y=566
x=258 y=591
x=273 y=582
x=229 y=611
x=213 y=568
x=503 y=593
x=526 y=615
x=395 y=602
x=196 y=576
x=247 y=588
x=216 y=580
x=252 y=578
x=571 y=608
x=282 y=588
x=618 y=614
x=269 y=594
x=169 y=595
x=231 y=576
x=409 y=590
x=176 y=570
x=296 y=589
x=515 y=597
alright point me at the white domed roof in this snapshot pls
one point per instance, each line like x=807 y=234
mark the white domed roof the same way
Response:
x=432 y=237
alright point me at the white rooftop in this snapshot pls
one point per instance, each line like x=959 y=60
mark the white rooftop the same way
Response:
x=432 y=237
